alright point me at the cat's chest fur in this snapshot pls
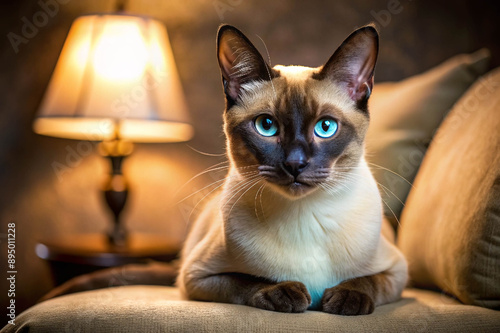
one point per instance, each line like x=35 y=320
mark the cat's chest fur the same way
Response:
x=319 y=241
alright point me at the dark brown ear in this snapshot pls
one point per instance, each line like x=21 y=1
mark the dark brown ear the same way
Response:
x=239 y=62
x=353 y=63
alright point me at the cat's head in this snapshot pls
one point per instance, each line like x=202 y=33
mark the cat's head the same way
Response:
x=300 y=127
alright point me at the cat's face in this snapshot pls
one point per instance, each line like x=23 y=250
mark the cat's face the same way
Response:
x=301 y=128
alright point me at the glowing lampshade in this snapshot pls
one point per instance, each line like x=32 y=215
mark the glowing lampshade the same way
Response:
x=115 y=79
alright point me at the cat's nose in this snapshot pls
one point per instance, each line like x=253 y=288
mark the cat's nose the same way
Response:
x=296 y=162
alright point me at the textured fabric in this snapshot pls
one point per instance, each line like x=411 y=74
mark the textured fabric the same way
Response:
x=159 y=309
x=404 y=117
x=450 y=227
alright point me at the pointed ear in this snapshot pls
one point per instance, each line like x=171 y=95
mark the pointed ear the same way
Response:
x=239 y=62
x=353 y=63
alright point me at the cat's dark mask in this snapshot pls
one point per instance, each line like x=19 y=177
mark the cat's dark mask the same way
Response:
x=300 y=127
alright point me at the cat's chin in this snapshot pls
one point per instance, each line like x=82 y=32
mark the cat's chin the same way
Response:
x=295 y=190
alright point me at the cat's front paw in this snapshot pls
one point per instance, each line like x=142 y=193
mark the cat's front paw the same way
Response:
x=287 y=296
x=347 y=302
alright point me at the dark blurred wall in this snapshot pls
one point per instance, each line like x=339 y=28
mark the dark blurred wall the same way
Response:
x=415 y=35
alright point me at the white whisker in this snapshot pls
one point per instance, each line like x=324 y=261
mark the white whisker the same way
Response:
x=399 y=224
x=255 y=182
x=206 y=195
x=385 y=188
x=261 y=206
x=268 y=73
x=206 y=154
x=395 y=173
x=239 y=187
x=255 y=201
x=213 y=183
x=207 y=170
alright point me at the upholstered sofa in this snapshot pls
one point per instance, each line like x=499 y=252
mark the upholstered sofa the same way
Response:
x=449 y=226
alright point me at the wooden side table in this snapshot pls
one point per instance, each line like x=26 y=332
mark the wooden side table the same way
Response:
x=75 y=255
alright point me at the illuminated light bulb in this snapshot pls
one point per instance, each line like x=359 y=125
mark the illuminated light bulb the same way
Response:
x=121 y=52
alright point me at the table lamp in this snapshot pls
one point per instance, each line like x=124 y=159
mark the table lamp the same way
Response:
x=116 y=82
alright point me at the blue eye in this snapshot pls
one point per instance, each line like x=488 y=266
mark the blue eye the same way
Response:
x=266 y=125
x=326 y=128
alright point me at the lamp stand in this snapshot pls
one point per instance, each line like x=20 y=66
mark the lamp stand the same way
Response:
x=116 y=193
x=116 y=188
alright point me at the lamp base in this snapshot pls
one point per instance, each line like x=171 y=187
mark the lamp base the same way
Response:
x=118 y=237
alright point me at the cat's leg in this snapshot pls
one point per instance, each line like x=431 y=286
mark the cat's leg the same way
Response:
x=361 y=295
x=288 y=296
x=356 y=296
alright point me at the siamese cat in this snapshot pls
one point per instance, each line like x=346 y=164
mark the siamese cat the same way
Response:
x=297 y=224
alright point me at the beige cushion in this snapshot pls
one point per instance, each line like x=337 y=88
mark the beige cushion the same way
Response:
x=450 y=230
x=159 y=309
x=404 y=117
